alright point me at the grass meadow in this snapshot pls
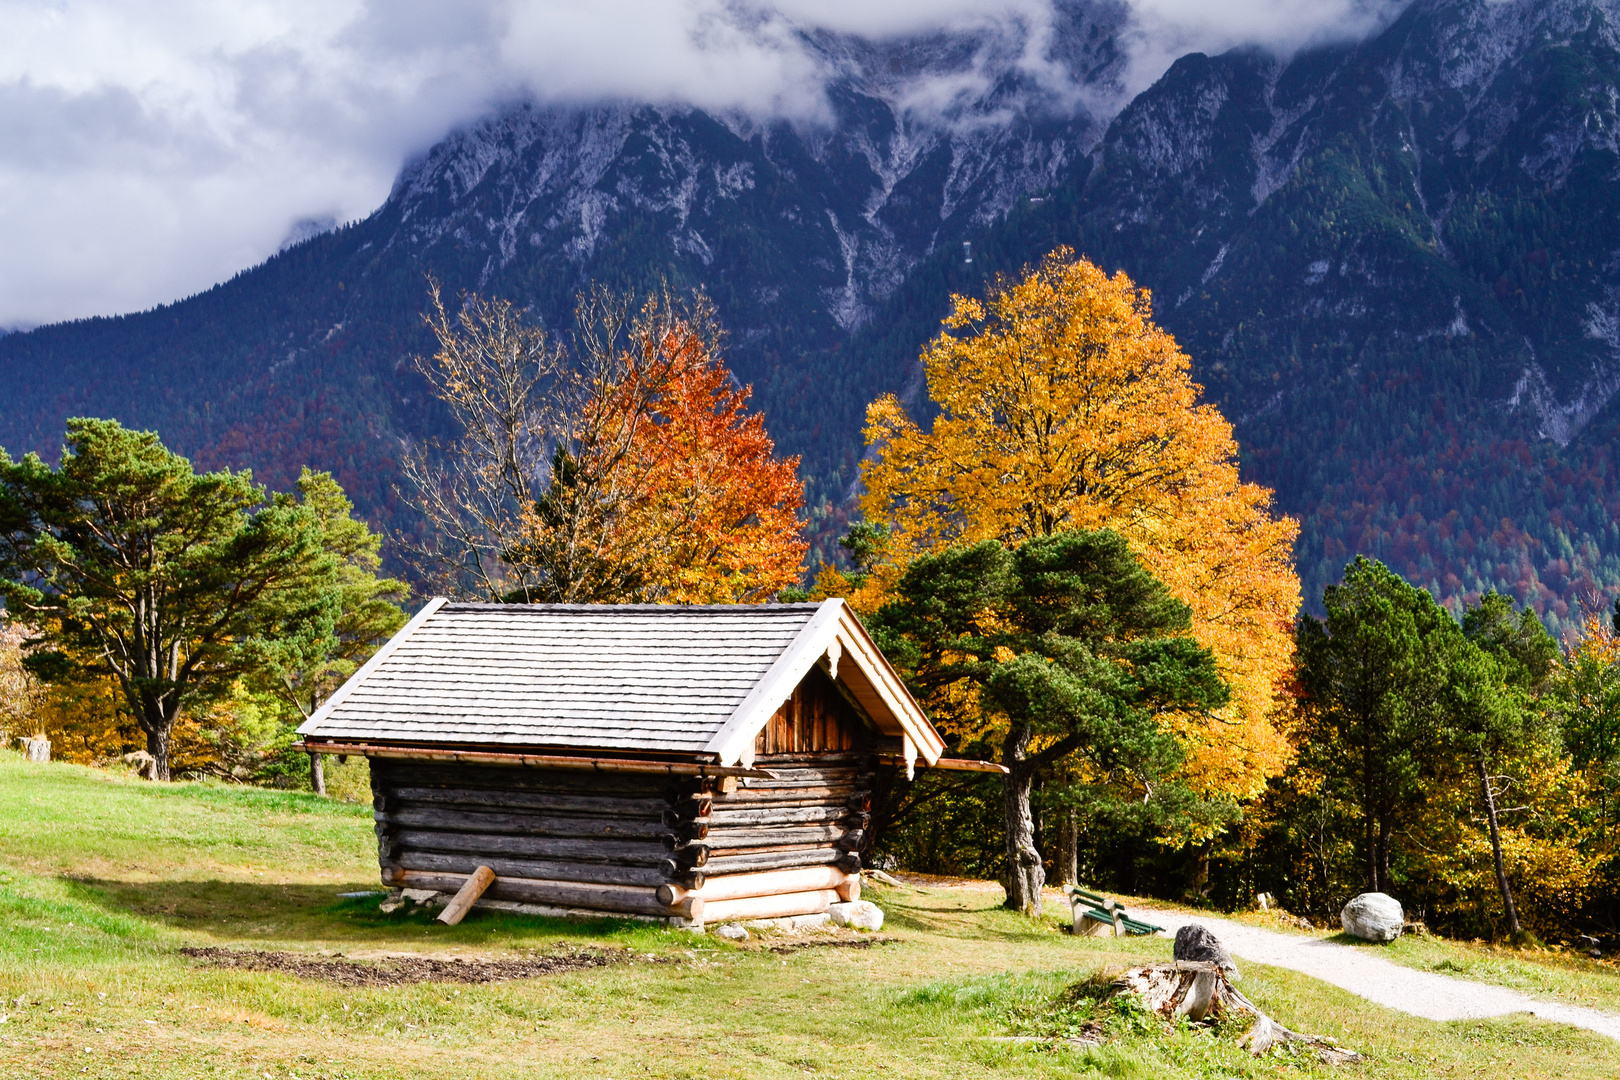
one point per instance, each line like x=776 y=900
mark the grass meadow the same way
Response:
x=104 y=879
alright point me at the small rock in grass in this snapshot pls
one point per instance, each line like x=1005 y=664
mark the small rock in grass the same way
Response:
x=391 y=905
x=1373 y=916
x=420 y=896
x=732 y=932
x=860 y=914
x=1195 y=942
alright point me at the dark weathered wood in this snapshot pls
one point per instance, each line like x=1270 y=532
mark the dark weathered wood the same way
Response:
x=696 y=829
x=626 y=899
x=692 y=856
x=787 y=834
x=726 y=818
x=762 y=849
x=629 y=852
x=543 y=781
x=460 y=820
x=806 y=778
x=570 y=803
x=601 y=873
x=812 y=771
x=471 y=889
x=785 y=796
x=774 y=860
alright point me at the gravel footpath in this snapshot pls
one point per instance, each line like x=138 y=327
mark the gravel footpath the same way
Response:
x=1421 y=993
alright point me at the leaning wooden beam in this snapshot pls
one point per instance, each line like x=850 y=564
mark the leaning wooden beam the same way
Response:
x=467 y=895
x=608 y=899
x=539 y=761
x=544 y=870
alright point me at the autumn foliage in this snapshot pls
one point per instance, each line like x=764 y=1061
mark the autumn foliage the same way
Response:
x=619 y=465
x=1063 y=406
x=712 y=513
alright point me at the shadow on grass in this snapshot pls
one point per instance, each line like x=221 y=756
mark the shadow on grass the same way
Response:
x=250 y=912
x=1342 y=938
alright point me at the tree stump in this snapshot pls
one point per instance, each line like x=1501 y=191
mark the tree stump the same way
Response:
x=1201 y=992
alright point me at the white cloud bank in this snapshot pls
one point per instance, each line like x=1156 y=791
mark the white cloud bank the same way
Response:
x=150 y=148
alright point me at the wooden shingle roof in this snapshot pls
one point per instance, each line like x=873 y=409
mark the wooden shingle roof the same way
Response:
x=657 y=679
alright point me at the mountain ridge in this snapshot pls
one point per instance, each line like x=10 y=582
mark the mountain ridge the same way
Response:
x=1395 y=263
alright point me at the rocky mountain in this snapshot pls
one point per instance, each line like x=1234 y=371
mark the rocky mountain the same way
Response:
x=1395 y=262
x=1396 y=265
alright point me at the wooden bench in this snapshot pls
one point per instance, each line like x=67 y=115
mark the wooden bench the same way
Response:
x=1093 y=912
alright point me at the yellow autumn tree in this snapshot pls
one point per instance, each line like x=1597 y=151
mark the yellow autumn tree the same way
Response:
x=1063 y=406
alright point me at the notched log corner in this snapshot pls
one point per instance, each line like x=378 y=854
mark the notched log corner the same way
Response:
x=1202 y=993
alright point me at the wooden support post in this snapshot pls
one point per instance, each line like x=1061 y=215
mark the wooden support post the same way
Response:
x=476 y=883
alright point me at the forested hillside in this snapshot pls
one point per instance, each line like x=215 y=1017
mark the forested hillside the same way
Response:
x=1395 y=264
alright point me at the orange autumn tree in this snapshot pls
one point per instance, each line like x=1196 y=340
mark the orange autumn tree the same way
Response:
x=714 y=514
x=1063 y=406
x=616 y=465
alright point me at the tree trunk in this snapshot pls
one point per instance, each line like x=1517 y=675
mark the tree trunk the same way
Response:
x=1383 y=854
x=157 y=744
x=1068 y=853
x=1369 y=828
x=317 y=774
x=1024 y=874
x=1496 y=846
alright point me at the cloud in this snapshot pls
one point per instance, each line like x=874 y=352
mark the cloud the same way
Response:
x=150 y=148
x=1163 y=30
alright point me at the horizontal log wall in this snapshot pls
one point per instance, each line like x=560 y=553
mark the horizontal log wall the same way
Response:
x=609 y=841
x=613 y=832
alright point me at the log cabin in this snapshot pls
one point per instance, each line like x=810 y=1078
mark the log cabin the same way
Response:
x=686 y=763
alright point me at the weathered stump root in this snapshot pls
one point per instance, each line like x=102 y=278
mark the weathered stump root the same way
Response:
x=1201 y=991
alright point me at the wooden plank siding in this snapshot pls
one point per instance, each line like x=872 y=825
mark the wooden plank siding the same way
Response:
x=815 y=720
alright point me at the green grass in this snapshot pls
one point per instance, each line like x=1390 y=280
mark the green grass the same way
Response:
x=102 y=880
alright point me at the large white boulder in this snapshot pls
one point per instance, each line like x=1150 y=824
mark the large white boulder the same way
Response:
x=1373 y=916
x=861 y=914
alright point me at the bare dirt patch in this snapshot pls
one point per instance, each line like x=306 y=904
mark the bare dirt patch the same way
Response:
x=785 y=947
x=398 y=970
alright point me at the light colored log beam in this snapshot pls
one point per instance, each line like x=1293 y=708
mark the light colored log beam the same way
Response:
x=467 y=895
x=765 y=883
x=781 y=906
x=952 y=764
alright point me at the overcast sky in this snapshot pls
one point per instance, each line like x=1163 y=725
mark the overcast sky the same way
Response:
x=151 y=148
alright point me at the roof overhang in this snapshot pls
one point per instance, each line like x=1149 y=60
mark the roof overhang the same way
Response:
x=834 y=637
